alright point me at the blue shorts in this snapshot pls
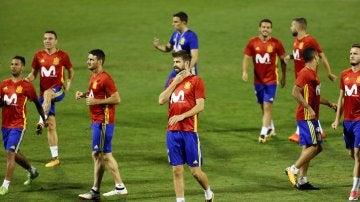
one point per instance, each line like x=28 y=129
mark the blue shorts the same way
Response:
x=351 y=134
x=265 y=93
x=59 y=95
x=102 y=135
x=183 y=147
x=173 y=74
x=309 y=132
x=12 y=138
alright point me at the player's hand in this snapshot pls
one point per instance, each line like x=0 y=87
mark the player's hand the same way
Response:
x=287 y=59
x=311 y=113
x=245 y=76
x=333 y=106
x=91 y=101
x=156 y=42
x=180 y=76
x=79 y=95
x=175 y=119
x=335 y=124
x=332 y=76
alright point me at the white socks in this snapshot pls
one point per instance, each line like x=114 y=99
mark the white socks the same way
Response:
x=180 y=199
x=208 y=193
x=54 y=151
x=294 y=170
x=264 y=131
x=6 y=184
x=355 y=186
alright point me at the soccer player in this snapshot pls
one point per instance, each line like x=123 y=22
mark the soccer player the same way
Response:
x=264 y=51
x=306 y=92
x=51 y=62
x=349 y=104
x=14 y=93
x=185 y=95
x=182 y=39
x=303 y=40
x=101 y=99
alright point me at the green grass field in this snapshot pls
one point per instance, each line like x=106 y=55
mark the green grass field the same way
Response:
x=239 y=168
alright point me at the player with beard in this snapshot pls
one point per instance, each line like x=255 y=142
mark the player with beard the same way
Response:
x=14 y=94
x=185 y=95
x=349 y=104
x=264 y=51
x=303 y=40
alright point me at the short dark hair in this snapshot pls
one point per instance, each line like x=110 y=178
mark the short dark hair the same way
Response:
x=99 y=54
x=182 y=54
x=182 y=15
x=51 y=32
x=21 y=58
x=302 y=22
x=355 y=45
x=265 y=20
x=309 y=54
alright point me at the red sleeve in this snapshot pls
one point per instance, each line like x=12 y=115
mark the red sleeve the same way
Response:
x=300 y=80
x=342 y=81
x=30 y=91
x=280 y=48
x=316 y=45
x=199 y=89
x=67 y=62
x=109 y=86
x=35 y=63
x=248 y=49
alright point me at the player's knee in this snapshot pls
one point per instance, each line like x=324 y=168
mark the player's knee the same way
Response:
x=196 y=173
x=48 y=95
x=178 y=171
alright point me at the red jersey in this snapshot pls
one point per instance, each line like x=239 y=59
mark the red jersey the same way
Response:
x=14 y=96
x=309 y=81
x=183 y=99
x=350 y=84
x=51 y=68
x=265 y=58
x=299 y=47
x=102 y=86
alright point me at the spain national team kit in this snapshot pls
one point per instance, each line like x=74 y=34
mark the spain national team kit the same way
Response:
x=350 y=83
x=51 y=68
x=102 y=86
x=265 y=59
x=182 y=139
x=298 y=48
x=14 y=96
x=309 y=129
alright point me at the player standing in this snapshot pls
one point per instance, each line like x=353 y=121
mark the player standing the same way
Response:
x=101 y=99
x=264 y=51
x=306 y=91
x=182 y=39
x=51 y=62
x=349 y=104
x=303 y=40
x=14 y=93
x=185 y=95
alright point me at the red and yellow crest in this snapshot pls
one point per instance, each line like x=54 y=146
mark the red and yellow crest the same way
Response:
x=358 y=79
x=182 y=41
x=94 y=85
x=56 y=61
x=187 y=85
x=42 y=60
x=301 y=45
x=19 y=89
x=270 y=49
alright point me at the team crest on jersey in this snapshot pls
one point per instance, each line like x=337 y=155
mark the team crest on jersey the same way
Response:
x=347 y=79
x=182 y=41
x=19 y=89
x=257 y=48
x=270 y=49
x=301 y=45
x=187 y=85
x=56 y=61
x=5 y=88
x=358 y=79
x=42 y=60
x=94 y=85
